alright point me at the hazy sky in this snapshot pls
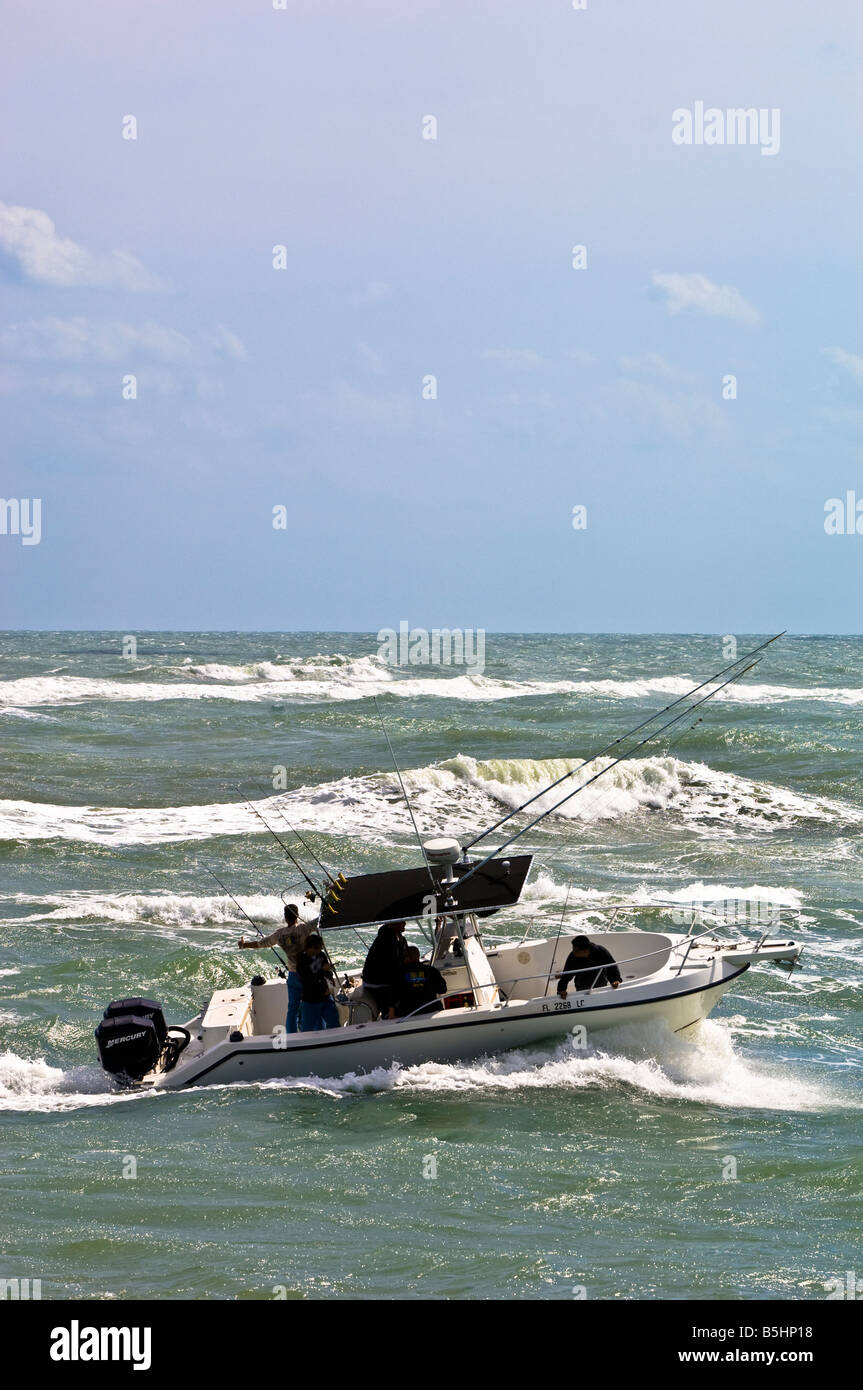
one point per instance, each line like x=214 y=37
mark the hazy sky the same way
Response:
x=409 y=257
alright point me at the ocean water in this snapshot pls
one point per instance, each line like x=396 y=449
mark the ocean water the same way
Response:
x=527 y=1175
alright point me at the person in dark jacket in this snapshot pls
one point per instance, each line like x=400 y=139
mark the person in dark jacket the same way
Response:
x=382 y=971
x=419 y=987
x=583 y=955
x=318 y=1009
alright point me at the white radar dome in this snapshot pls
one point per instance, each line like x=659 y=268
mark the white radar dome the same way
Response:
x=442 y=851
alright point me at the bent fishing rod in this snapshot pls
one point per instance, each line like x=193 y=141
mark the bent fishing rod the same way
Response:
x=603 y=752
x=602 y=771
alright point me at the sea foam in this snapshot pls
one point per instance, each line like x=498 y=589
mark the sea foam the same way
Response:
x=451 y=797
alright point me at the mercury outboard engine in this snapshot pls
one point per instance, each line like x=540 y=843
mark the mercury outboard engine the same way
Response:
x=133 y=1036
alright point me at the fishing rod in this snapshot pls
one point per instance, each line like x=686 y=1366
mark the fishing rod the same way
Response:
x=240 y=908
x=674 y=742
x=557 y=943
x=285 y=964
x=405 y=795
x=289 y=888
x=328 y=876
x=280 y=842
x=314 y=889
x=595 y=805
x=611 y=746
x=683 y=715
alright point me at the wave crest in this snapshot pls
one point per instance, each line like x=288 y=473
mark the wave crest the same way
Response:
x=457 y=796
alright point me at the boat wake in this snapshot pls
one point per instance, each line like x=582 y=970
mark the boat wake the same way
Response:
x=645 y=1060
x=33 y=1086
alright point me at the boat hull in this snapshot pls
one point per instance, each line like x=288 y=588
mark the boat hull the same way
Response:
x=457 y=1035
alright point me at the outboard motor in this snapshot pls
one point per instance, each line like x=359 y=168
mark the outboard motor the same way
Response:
x=131 y=1038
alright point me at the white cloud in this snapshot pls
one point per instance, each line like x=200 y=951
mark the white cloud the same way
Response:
x=838 y=417
x=373 y=292
x=389 y=413
x=223 y=341
x=684 y=415
x=699 y=295
x=520 y=359
x=581 y=358
x=539 y=400
x=30 y=238
x=66 y=385
x=370 y=359
x=653 y=364
x=848 y=361
x=82 y=340
x=13 y=380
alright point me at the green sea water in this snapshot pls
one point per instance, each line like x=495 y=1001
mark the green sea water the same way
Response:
x=725 y=1167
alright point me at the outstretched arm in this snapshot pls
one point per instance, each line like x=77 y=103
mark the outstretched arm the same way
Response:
x=274 y=939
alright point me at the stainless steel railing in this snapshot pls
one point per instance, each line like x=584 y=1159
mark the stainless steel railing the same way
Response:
x=596 y=970
x=687 y=942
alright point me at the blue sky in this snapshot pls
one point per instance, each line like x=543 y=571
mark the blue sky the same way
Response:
x=406 y=257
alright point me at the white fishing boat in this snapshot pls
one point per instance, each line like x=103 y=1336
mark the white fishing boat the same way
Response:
x=498 y=997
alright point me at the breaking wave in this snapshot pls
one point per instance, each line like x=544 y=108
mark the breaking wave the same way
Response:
x=214 y=911
x=341 y=678
x=186 y=910
x=320 y=678
x=455 y=796
x=694 y=790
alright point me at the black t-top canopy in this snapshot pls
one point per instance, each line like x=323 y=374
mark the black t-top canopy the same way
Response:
x=388 y=897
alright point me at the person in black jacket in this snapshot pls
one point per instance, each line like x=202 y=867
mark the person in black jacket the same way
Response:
x=583 y=955
x=419 y=987
x=318 y=1009
x=382 y=971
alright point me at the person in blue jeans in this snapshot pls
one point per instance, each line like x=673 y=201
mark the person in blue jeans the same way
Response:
x=295 y=998
x=318 y=1008
x=290 y=938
